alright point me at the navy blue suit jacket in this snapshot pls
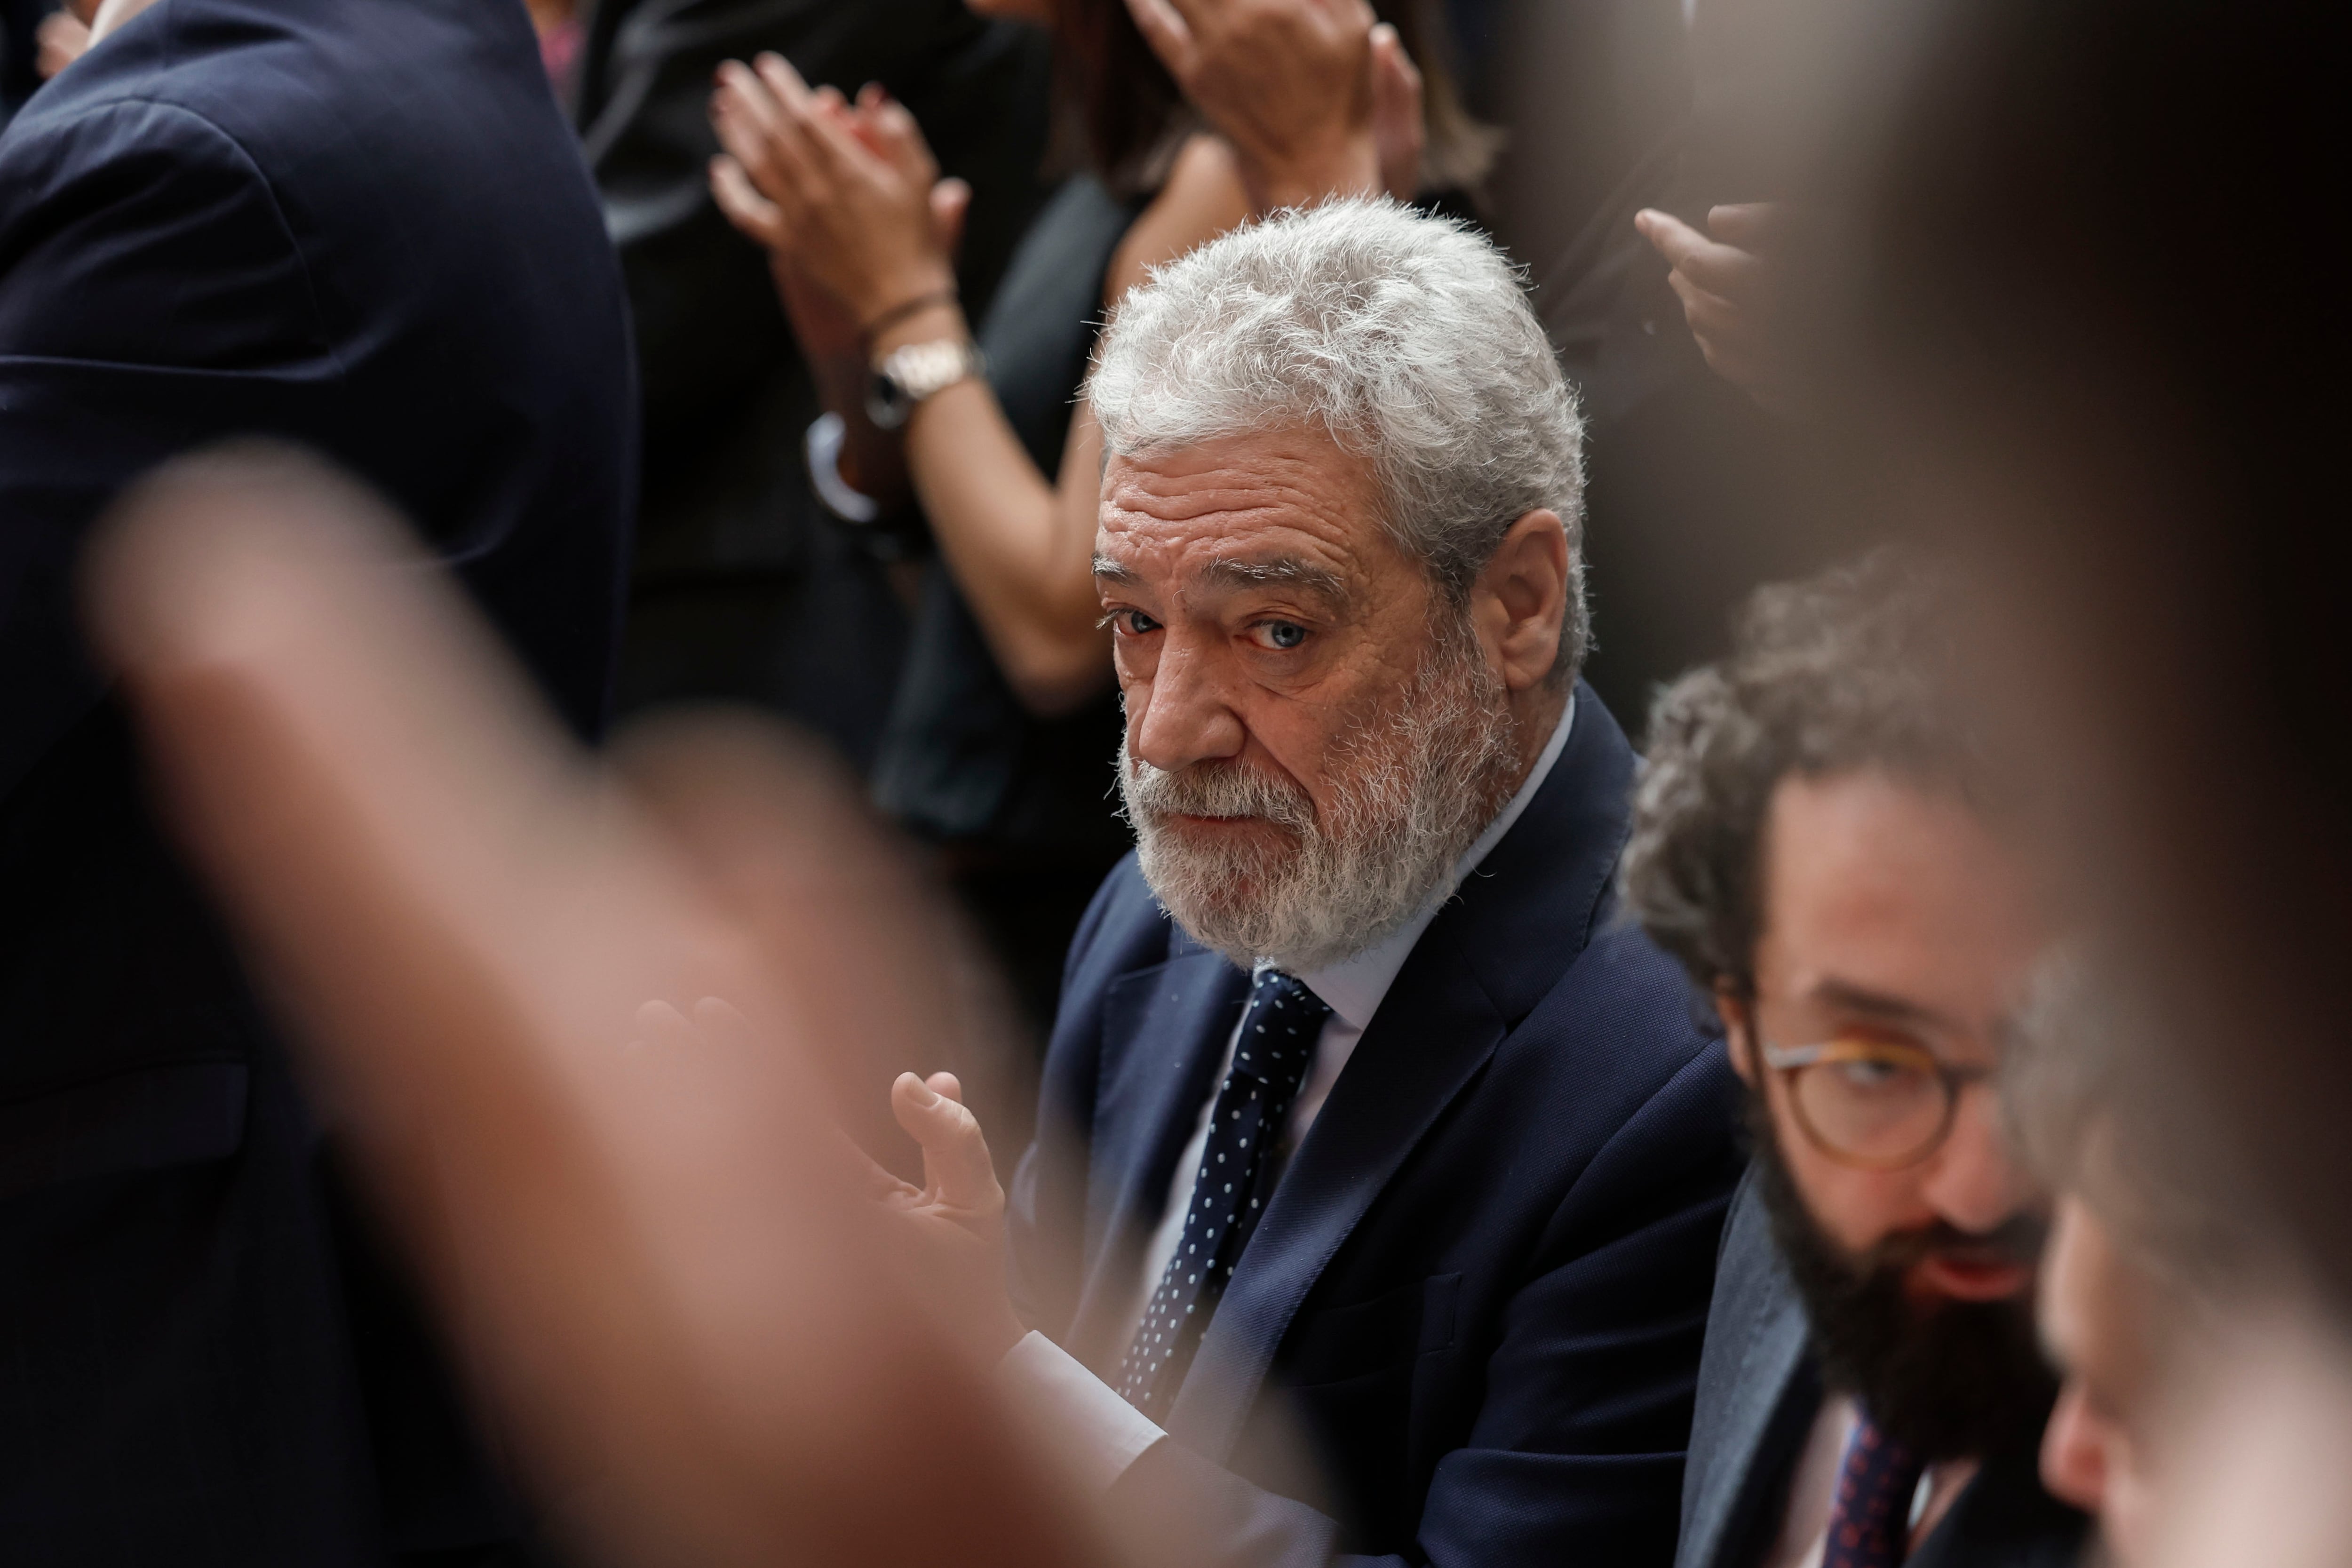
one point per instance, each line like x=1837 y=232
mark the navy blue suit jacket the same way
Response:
x=364 y=225
x=1475 y=1305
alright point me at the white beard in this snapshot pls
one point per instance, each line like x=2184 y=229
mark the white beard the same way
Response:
x=1413 y=789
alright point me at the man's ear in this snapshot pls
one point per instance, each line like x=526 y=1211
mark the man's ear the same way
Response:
x=1520 y=602
x=1738 y=1035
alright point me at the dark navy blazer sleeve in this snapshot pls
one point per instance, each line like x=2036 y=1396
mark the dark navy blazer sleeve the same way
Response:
x=362 y=226
x=145 y=229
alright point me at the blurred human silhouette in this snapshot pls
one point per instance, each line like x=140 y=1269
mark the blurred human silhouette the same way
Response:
x=2079 y=360
x=239 y=216
x=2162 y=1270
x=1813 y=840
x=692 y=1300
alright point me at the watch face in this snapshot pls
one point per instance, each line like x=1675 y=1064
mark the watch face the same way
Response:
x=887 y=402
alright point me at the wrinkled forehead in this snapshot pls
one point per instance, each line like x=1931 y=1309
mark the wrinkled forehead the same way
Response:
x=1884 y=899
x=1286 y=508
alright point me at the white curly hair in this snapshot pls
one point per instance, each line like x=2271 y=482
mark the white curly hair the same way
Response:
x=1408 y=337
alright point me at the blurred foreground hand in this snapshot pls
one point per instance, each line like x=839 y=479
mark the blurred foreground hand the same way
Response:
x=63 y=36
x=664 y=1261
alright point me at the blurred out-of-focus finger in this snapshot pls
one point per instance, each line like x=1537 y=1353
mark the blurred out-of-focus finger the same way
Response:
x=1164 y=26
x=752 y=126
x=950 y=204
x=1672 y=238
x=783 y=80
x=1709 y=315
x=758 y=217
x=1719 y=268
x=900 y=142
x=1755 y=227
x=805 y=125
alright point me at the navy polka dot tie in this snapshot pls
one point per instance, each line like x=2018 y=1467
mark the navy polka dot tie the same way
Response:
x=1870 y=1517
x=1236 y=1177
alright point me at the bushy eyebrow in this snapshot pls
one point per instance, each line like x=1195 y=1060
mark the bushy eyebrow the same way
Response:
x=1284 y=572
x=1225 y=572
x=1848 y=998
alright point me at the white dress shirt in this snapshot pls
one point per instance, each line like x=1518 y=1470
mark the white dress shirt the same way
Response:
x=1102 y=1432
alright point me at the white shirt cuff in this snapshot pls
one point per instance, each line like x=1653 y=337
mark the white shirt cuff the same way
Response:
x=822 y=447
x=1098 y=1434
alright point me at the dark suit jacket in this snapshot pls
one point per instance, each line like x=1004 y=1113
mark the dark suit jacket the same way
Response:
x=1759 y=1394
x=361 y=225
x=1477 y=1291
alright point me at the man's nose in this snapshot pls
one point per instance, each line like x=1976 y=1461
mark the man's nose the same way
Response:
x=2075 y=1450
x=1975 y=1183
x=1185 y=716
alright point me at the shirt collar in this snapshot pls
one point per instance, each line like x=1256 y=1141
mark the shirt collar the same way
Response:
x=1354 y=987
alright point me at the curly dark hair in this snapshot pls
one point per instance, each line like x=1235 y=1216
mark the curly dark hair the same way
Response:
x=1849 y=670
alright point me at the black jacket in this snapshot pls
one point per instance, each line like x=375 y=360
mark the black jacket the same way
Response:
x=364 y=225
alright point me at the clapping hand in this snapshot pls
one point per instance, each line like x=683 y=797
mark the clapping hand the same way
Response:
x=956 y=1218
x=846 y=197
x=1316 y=98
x=1728 y=282
x=952 y=1225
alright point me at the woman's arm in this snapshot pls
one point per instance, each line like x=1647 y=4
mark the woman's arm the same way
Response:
x=1021 y=549
x=851 y=190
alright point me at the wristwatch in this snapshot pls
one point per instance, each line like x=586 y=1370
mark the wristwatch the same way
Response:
x=906 y=375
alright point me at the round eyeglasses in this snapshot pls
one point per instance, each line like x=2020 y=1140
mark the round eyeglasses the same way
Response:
x=1875 y=1104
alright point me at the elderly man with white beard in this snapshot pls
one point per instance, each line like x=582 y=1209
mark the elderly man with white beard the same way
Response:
x=1381 y=1167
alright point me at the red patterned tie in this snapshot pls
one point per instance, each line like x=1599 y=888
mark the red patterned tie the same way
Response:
x=1870 y=1519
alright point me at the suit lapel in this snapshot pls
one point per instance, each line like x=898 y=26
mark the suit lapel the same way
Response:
x=1757 y=1396
x=1488 y=957
x=1429 y=1038
x=1175 y=1019
x=1769 y=1415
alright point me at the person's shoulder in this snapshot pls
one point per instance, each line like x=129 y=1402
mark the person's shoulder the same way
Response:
x=317 y=86
x=141 y=95
x=1623 y=989
x=111 y=192
x=1624 y=1056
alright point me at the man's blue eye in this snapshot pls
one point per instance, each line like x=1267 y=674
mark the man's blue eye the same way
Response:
x=1285 y=635
x=1137 y=623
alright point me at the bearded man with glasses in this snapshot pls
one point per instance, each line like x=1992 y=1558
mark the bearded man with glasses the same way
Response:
x=1813 y=840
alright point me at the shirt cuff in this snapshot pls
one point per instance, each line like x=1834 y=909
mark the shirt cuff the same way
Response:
x=1098 y=1434
x=822 y=447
